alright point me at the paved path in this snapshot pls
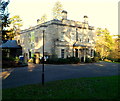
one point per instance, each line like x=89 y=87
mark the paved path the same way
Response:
x=32 y=74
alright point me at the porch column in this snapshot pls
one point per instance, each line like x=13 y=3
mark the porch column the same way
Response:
x=84 y=52
x=80 y=54
x=73 y=52
x=92 y=53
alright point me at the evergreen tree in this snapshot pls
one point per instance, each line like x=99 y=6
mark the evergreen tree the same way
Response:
x=42 y=19
x=57 y=9
x=4 y=21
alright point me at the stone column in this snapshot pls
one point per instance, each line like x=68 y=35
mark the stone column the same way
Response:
x=89 y=52
x=73 y=52
x=92 y=53
x=80 y=54
x=84 y=52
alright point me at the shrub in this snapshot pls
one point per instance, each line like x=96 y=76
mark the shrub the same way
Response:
x=88 y=60
x=70 y=60
x=8 y=59
x=17 y=59
x=95 y=59
x=114 y=59
x=12 y=62
x=73 y=60
x=50 y=60
x=107 y=60
x=61 y=61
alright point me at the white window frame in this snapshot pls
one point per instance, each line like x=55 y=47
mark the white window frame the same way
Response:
x=62 y=36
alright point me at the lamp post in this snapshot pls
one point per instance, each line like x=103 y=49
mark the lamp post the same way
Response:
x=43 y=29
x=43 y=60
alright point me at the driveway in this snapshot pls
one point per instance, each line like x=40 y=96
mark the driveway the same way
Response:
x=32 y=74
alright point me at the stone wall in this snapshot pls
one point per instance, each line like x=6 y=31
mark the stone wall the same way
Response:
x=58 y=35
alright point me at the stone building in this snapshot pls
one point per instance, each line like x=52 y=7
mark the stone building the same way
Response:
x=62 y=38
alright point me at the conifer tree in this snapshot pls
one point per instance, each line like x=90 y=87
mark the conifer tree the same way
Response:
x=57 y=9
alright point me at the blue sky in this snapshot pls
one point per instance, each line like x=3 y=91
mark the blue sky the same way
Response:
x=101 y=13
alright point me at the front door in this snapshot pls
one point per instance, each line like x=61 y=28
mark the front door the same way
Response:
x=76 y=53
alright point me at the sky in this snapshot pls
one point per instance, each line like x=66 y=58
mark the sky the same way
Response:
x=101 y=13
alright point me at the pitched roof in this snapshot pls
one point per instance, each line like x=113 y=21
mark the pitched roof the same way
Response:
x=10 y=44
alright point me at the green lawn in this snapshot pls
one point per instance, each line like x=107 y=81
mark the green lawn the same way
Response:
x=113 y=62
x=82 y=88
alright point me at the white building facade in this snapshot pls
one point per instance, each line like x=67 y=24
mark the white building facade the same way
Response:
x=62 y=38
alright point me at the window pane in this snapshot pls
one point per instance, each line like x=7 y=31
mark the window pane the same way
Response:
x=62 y=53
x=36 y=39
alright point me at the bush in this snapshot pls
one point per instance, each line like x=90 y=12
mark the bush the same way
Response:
x=62 y=61
x=73 y=60
x=50 y=60
x=95 y=59
x=91 y=60
x=114 y=59
x=107 y=60
x=70 y=60
x=12 y=62
x=8 y=59
x=88 y=60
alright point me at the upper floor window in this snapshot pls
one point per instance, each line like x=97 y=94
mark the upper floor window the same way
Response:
x=62 y=36
x=36 y=39
x=88 y=40
x=80 y=40
x=72 y=37
x=76 y=34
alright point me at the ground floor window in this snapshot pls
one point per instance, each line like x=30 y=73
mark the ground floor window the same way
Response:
x=91 y=53
x=62 y=53
x=76 y=52
x=29 y=54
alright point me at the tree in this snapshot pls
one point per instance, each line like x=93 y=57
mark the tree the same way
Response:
x=115 y=53
x=57 y=9
x=4 y=21
x=15 y=24
x=104 y=42
x=42 y=20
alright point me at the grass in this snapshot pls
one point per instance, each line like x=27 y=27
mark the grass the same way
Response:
x=83 y=88
x=112 y=62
